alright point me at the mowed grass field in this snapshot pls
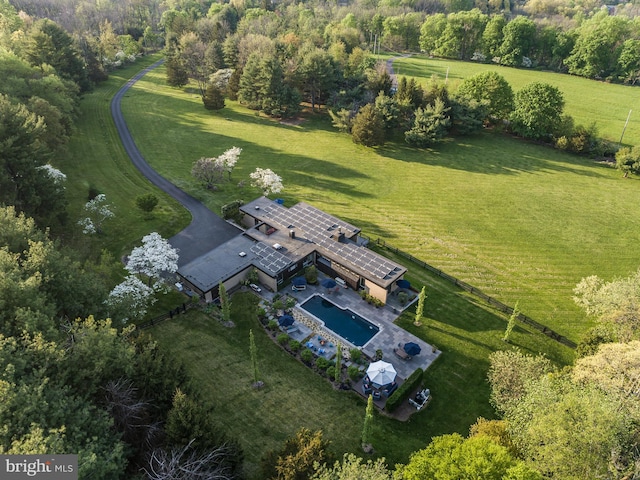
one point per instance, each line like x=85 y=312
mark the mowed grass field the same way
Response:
x=97 y=159
x=587 y=101
x=520 y=221
x=217 y=359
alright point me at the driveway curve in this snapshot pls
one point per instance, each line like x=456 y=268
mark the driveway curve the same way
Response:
x=206 y=230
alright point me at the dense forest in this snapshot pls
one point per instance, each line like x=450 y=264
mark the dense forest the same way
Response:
x=76 y=379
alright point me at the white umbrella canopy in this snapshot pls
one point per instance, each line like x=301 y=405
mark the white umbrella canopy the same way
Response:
x=381 y=373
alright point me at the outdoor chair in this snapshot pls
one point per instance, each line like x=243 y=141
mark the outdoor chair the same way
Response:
x=400 y=353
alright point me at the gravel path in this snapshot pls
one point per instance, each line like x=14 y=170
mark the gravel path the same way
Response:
x=206 y=230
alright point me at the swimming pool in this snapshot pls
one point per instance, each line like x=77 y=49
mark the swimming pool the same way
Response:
x=345 y=323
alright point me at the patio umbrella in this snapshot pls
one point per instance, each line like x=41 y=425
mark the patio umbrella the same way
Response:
x=412 y=348
x=328 y=283
x=285 y=321
x=402 y=283
x=299 y=281
x=381 y=373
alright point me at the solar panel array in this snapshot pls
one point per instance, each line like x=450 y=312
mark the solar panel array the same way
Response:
x=270 y=258
x=319 y=227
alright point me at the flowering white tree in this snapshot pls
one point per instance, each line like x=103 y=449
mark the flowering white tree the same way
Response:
x=130 y=299
x=155 y=258
x=97 y=212
x=267 y=181
x=229 y=159
x=54 y=174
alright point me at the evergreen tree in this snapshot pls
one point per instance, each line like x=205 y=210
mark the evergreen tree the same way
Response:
x=368 y=423
x=511 y=323
x=225 y=303
x=368 y=127
x=420 y=307
x=430 y=125
x=213 y=98
x=254 y=357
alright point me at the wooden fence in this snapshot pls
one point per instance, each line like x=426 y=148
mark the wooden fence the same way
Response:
x=166 y=316
x=478 y=293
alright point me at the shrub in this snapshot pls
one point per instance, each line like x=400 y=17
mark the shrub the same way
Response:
x=379 y=354
x=261 y=312
x=278 y=304
x=147 y=202
x=283 y=338
x=331 y=371
x=311 y=275
x=272 y=325
x=354 y=372
x=322 y=363
x=295 y=345
x=355 y=354
x=403 y=298
x=290 y=303
x=306 y=355
x=404 y=390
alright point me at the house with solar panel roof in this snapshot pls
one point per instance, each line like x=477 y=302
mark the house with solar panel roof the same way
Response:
x=280 y=242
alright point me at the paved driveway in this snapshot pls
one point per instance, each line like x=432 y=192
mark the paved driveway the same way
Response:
x=206 y=230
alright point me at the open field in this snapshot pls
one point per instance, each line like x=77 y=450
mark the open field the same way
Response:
x=520 y=221
x=587 y=101
x=218 y=360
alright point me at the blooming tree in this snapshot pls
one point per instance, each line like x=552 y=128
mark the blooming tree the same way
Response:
x=131 y=298
x=97 y=212
x=267 y=181
x=155 y=258
x=210 y=170
x=53 y=173
x=229 y=159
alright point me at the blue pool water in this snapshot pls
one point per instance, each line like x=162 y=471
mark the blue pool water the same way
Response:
x=345 y=323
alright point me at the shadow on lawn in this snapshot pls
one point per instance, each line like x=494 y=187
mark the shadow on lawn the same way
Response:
x=494 y=154
x=321 y=175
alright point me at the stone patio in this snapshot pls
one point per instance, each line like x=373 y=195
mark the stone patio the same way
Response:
x=387 y=339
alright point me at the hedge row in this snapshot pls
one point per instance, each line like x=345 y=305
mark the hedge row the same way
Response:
x=404 y=390
x=230 y=210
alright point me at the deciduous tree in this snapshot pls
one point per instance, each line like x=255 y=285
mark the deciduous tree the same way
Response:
x=97 y=211
x=155 y=259
x=267 y=181
x=353 y=468
x=628 y=160
x=493 y=88
x=538 y=111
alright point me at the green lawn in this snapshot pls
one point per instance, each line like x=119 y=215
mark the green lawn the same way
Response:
x=217 y=358
x=520 y=221
x=96 y=158
x=587 y=101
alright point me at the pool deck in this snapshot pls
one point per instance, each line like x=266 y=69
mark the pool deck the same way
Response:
x=387 y=339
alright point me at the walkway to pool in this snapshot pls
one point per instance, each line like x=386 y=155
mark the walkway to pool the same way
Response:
x=389 y=337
